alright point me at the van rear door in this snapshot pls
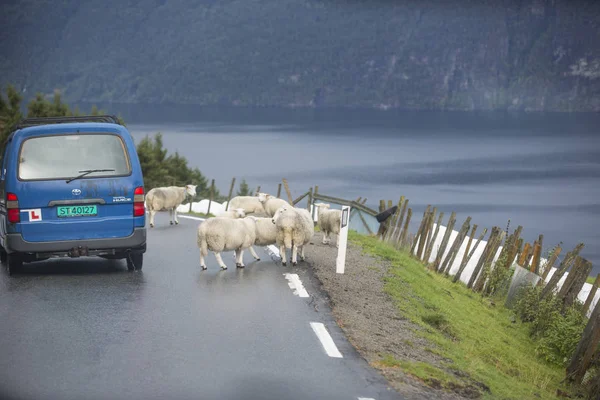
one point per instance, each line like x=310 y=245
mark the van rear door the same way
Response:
x=75 y=186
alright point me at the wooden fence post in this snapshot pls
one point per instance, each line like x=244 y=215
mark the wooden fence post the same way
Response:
x=463 y=262
x=310 y=199
x=364 y=201
x=287 y=190
x=427 y=236
x=404 y=232
x=483 y=257
x=396 y=237
x=549 y=264
x=591 y=295
x=582 y=356
x=257 y=190
x=230 y=193
x=394 y=224
x=212 y=191
x=524 y=255
x=487 y=265
x=579 y=273
x=419 y=236
x=431 y=242
x=558 y=274
x=442 y=249
x=279 y=190
x=535 y=261
x=449 y=260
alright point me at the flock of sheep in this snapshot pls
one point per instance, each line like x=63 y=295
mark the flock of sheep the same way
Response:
x=259 y=220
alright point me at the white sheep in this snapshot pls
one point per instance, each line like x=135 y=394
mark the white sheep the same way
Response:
x=250 y=204
x=235 y=213
x=271 y=203
x=225 y=234
x=167 y=198
x=329 y=222
x=295 y=229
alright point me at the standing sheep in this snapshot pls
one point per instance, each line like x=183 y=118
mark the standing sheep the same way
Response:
x=271 y=203
x=295 y=229
x=329 y=222
x=167 y=198
x=250 y=204
x=225 y=234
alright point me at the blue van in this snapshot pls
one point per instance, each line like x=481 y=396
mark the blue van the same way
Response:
x=71 y=187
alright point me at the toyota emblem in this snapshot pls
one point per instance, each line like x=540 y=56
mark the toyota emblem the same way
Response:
x=76 y=192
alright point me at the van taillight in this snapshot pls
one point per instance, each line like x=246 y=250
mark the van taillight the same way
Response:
x=138 y=202
x=12 y=207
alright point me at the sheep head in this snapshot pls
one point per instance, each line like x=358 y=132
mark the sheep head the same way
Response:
x=191 y=190
x=263 y=197
x=322 y=205
x=240 y=213
x=278 y=213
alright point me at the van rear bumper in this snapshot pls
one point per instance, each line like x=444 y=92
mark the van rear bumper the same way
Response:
x=136 y=241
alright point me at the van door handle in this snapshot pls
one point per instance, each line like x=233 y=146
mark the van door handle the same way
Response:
x=71 y=202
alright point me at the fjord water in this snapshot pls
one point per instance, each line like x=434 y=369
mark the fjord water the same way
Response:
x=540 y=171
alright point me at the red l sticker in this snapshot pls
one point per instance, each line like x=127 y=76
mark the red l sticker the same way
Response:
x=34 y=216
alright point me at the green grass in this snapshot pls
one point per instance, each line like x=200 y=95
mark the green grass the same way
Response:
x=591 y=279
x=477 y=336
x=201 y=215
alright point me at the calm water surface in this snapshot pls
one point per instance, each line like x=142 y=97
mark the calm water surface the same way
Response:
x=541 y=171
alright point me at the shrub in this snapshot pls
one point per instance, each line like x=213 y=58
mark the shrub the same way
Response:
x=558 y=333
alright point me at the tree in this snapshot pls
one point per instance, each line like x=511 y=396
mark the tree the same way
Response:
x=244 y=190
x=10 y=113
x=158 y=168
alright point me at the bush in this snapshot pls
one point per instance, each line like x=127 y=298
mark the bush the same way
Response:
x=558 y=334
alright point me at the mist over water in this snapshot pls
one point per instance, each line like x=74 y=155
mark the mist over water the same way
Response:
x=541 y=171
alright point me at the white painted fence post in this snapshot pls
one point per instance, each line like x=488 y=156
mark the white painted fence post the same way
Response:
x=341 y=257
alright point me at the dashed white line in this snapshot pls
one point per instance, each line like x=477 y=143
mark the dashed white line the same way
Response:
x=295 y=283
x=326 y=340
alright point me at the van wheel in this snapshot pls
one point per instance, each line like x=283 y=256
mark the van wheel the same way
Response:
x=135 y=261
x=13 y=264
x=3 y=255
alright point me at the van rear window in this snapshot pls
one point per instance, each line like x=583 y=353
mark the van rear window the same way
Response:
x=63 y=156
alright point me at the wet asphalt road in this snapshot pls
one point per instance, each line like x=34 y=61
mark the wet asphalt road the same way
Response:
x=90 y=329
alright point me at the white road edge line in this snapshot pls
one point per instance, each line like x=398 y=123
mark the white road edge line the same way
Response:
x=366 y=398
x=295 y=284
x=326 y=340
x=190 y=217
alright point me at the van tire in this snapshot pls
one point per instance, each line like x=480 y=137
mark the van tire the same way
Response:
x=3 y=255
x=135 y=261
x=13 y=263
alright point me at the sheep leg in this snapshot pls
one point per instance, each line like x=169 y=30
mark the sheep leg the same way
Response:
x=171 y=216
x=294 y=255
x=220 y=260
x=282 y=254
x=239 y=262
x=302 y=253
x=202 y=262
x=152 y=212
x=325 y=237
x=254 y=253
x=175 y=215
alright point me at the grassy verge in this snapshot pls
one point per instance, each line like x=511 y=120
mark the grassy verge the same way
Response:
x=201 y=215
x=476 y=335
x=591 y=280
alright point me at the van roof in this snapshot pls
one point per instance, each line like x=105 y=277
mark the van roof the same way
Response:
x=67 y=127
